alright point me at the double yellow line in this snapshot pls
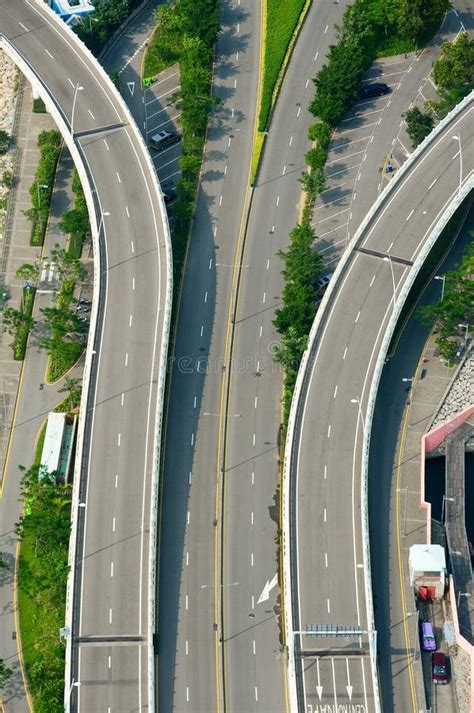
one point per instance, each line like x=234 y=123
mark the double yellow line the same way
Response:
x=410 y=659
x=219 y=507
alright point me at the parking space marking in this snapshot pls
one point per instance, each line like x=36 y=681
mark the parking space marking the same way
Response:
x=367 y=113
x=333 y=230
x=344 y=158
x=333 y=215
x=167 y=178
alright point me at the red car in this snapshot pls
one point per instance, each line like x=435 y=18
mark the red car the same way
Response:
x=439 y=668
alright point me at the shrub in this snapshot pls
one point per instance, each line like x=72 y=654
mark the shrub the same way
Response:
x=321 y=132
x=4 y=142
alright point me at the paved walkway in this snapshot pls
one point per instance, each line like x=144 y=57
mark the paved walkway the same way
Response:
x=16 y=250
x=33 y=403
x=430 y=383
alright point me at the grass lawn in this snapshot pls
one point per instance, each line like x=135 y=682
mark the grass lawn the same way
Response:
x=74 y=244
x=40 y=442
x=40 y=620
x=282 y=17
x=59 y=364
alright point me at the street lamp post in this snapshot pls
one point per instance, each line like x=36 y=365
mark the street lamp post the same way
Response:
x=457 y=138
x=443 y=279
x=103 y=215
x=356 y=400
x=450 y=500
x=74 y=684
x=466 y=327
x=38 y=186
x=417 y=615
x=463 y=594
x=388 y=259
x=77 y=89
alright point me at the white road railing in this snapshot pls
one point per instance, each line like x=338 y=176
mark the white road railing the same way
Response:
x=298 y=392
x=63 y=125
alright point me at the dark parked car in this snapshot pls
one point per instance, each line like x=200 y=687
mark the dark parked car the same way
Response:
x=375 y=89
x=439 y=668
x=169 y=194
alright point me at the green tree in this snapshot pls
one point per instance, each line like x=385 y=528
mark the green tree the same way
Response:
x=303 y=263
x=419 y=125
x=68 y=266
x=28 y=272
x=5 y=673
x=455 y=66
x=72 y=386
x=15 y=319
x=75 y=221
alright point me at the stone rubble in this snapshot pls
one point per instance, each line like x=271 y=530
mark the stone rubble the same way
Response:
x=9 y=76
x=461 y=393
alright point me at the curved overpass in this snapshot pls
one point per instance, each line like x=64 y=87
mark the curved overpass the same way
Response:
x=326 y=552
x=111 y=590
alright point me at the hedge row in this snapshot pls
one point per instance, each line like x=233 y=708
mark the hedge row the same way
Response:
x=41 y=191
x=23 y=328
x=282 y=18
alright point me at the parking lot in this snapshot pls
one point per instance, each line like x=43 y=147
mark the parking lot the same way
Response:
x=161 y=114
x=358 y=151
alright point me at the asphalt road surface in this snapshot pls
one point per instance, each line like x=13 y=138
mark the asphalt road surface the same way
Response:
x=110 y=628
x=330 y=419
x=189 y=669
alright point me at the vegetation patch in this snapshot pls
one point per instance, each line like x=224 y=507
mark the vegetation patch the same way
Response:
x=453 y=315
x=75 y=222
x=66 y=328
x=43 y=532
x=95 y=30
x=38 y=106
x=281 y=21
x=41 y=191
x=19 y=322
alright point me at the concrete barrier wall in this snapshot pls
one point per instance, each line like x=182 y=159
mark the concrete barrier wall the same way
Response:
x=324 y=306
x=94 y=215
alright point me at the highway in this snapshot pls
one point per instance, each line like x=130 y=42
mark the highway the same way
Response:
x=329 y=567
x=110 y=623
x=189 y=665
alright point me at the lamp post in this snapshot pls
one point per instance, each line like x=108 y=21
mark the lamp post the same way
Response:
x=466 y=327
x=74 y=684
x=417 y=615
x=38 y=186
x=388 y=259
x=77 y=89
x=457 y=138
x=356 y=400
x=450 y=500
x=103 y=215
x=443 y=279
x=463 y=594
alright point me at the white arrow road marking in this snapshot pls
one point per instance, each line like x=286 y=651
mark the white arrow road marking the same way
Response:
x=267 y=589
x=131 y=86
x=348 y=687
x=319 y=688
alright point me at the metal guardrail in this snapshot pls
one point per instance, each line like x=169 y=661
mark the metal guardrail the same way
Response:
x=87 y=181
x=342 y=266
